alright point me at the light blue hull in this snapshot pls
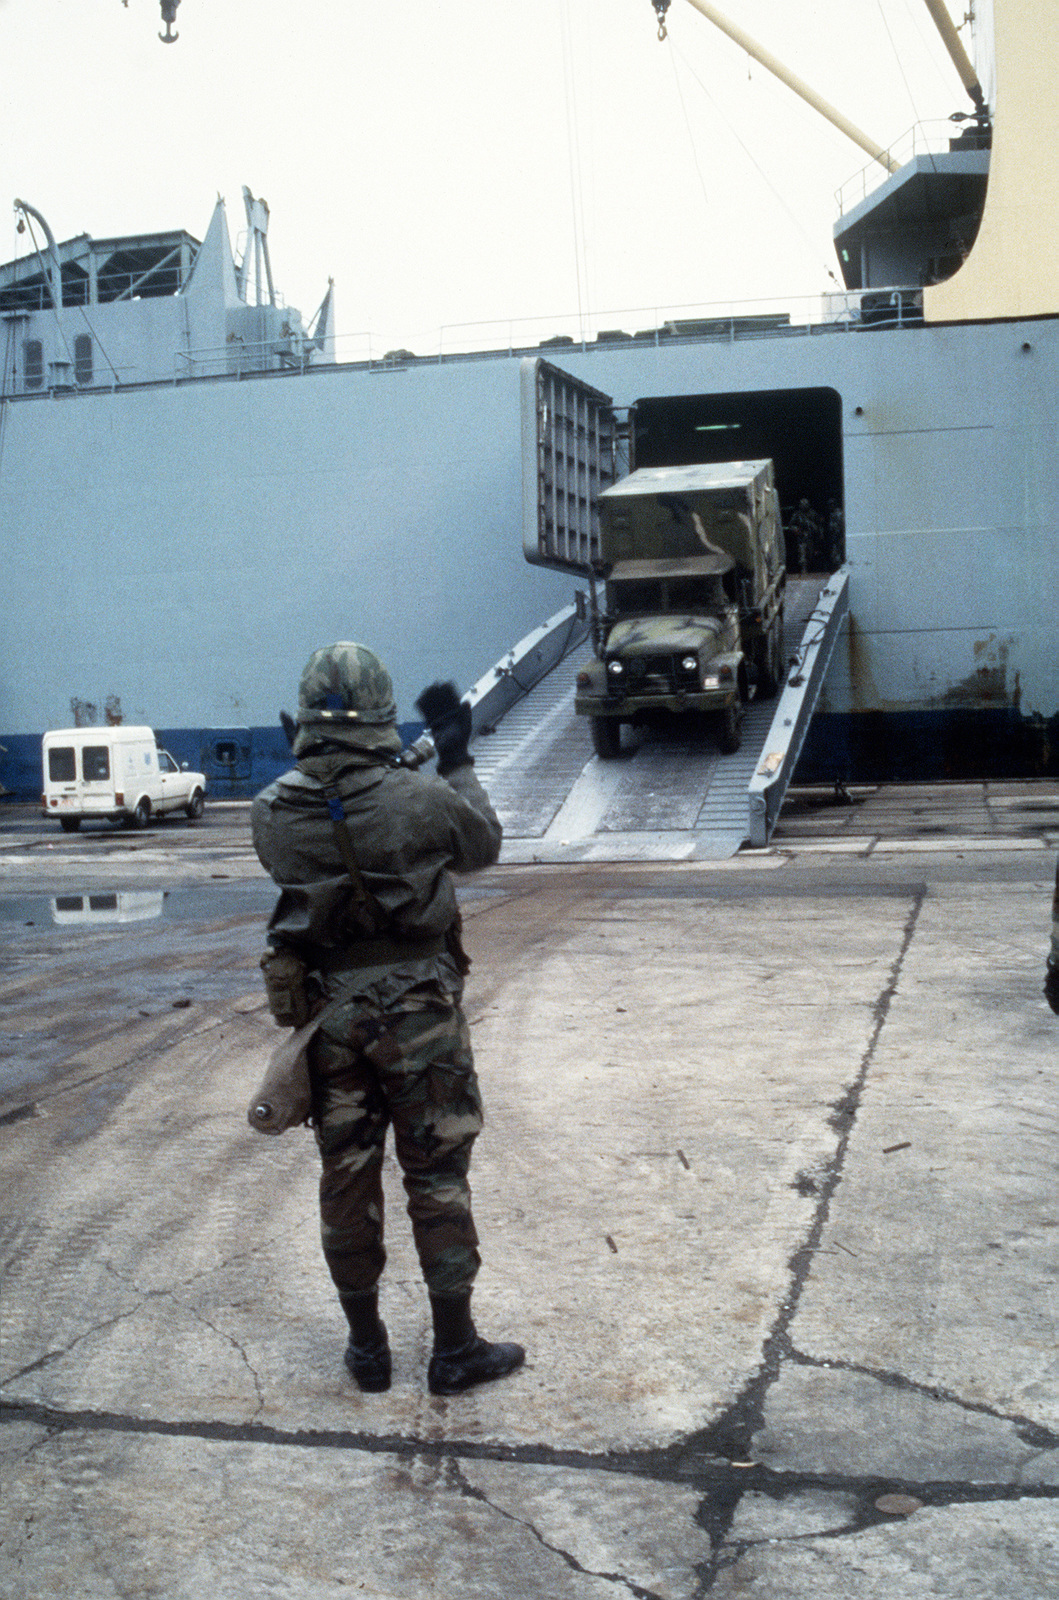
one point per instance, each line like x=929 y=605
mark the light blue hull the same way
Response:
x=181 y=549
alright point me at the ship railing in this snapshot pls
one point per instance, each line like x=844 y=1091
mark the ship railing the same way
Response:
x=922 y=139
x=841 y=311
x=690 y=324
x=780 y=318
x=291 y=352
x=35 y=295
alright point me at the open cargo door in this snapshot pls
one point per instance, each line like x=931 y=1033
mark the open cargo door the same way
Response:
x=571 y=451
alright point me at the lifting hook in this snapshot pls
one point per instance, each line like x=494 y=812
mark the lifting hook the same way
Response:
x=169 y=10
x=661 y=7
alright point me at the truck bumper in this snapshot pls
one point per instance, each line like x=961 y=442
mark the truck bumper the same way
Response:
x=629 y=706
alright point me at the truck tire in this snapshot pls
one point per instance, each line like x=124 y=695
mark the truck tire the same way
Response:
x=606 y=737
x=730 y=728
x=69 y=824
x=142 y=815
x=195 y=806
x=770 y=661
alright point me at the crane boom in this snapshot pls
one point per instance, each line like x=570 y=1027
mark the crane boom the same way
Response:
x=954 y=45
x=772 y=64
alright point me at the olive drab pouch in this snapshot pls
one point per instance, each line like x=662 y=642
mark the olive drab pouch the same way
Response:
x=286 y=985
x=284 y=1099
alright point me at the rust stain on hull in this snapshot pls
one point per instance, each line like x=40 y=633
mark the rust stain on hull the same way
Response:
x=987 y=685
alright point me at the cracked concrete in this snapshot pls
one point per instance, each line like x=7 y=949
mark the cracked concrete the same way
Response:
x=205 y=1518
x=947 y=1554
x=856 y=1425
x=764 y=1188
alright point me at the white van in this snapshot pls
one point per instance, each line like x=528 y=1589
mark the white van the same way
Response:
x=117 y=773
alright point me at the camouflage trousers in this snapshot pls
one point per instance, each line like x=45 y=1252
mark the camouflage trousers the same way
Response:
x=414 y=1069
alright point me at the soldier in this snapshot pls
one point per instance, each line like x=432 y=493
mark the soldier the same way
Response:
x=1051 y=971
x=361 y=847
x=836 y=535
x=804 y=531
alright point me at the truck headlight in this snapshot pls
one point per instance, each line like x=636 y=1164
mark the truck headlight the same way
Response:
x=615 y=668
x=689 y=663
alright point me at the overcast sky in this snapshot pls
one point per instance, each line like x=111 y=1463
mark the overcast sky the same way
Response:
x=455 y=163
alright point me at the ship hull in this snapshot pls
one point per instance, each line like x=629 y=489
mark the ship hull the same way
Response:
x=177 y=551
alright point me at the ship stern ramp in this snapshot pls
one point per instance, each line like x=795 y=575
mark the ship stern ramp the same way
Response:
x=671 y=795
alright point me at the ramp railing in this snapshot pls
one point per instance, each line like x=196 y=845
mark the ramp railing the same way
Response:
x=783 y=744
x=525 y=664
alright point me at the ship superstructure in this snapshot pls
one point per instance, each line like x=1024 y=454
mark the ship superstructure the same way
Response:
x=90 y=314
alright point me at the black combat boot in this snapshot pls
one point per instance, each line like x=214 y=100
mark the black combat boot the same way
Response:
x=461 y=1359
x=368 y=1352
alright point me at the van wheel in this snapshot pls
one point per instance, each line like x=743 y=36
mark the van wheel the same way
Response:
x=195 y=806
x=606 y=737
x=142 y=815
x=69 y=824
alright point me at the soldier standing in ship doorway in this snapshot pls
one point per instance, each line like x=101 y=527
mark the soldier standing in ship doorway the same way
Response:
x=804 y=529
x=836 y=536
x=365 y=943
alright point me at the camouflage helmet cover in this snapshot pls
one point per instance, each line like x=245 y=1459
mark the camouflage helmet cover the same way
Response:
x=345 y=683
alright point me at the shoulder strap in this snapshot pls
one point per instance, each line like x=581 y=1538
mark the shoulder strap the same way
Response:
x=367 y=909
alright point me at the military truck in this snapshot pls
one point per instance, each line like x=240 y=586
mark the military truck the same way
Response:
x=693 y=570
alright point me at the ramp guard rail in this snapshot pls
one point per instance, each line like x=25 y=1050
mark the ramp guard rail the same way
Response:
x=783 y=745
x=525 y=664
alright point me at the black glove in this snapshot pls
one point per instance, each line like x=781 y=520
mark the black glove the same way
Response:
x=449 y=720
x=1051 y=987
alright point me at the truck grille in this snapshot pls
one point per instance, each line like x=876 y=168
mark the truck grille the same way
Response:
x=664 y=674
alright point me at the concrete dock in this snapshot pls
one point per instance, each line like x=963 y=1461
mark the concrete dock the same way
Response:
x=767 y=1189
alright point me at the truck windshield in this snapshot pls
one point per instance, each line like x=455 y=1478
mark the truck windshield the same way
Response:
x=696 y=594
x=640 y=598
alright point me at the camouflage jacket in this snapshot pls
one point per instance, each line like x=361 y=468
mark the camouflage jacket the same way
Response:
x=409 y=832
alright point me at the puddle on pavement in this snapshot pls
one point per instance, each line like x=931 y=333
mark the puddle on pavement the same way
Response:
x=94 y=909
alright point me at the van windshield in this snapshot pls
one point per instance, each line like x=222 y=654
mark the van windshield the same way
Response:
x=61 y=765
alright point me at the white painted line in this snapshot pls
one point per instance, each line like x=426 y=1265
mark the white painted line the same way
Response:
x=953 y=845
x=617 y=849
x=835 y=847
x=586 y=805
